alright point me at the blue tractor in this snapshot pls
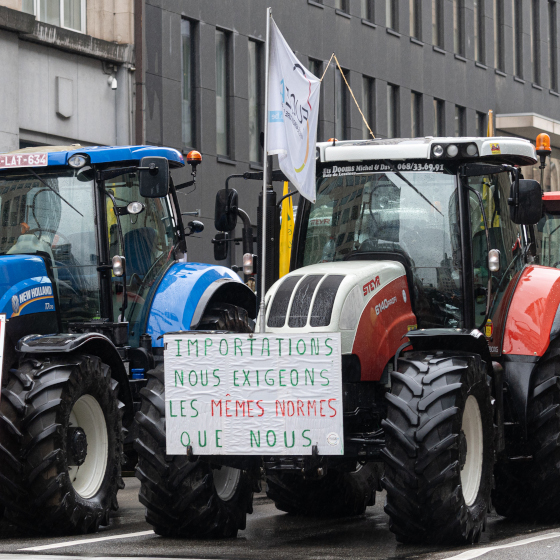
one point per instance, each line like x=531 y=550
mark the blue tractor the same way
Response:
x=93 y=270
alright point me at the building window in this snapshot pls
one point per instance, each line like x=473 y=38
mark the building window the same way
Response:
x=367 y=10
x=368 y=105
x=416 y=114
x=437 y=23
x=222 y=95
x=342 y=5
x=480 y=124
x=392 y=14
x=460 y=124
x=458 y=28
x=316 y=67
x=187 y=84
x=479 y=28
x=439 y=117
x=518 y=38
x=392 y=111
x=499 y=35
x=416 y=19
x=535 y=40
x=70 y=14
x=255 y=105
x=552 y=46
x=341 y=117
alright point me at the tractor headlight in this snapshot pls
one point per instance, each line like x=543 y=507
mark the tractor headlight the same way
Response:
x=452 y=150
x=77 y=161
x=118 y=265
x=472 y=150
x=494 y=260
x=438 y=151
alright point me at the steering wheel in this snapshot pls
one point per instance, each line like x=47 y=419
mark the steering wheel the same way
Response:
x=34 y=230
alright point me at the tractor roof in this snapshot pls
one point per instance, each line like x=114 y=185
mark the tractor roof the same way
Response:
x=507 y=149
x=58 y=155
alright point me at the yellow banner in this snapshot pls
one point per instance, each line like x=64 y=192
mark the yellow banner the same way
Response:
x=286 y=232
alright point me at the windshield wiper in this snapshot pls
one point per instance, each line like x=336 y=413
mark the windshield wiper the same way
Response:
x=389 y=163
x=57 y=194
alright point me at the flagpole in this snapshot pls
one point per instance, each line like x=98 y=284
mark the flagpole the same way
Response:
x=262 y=311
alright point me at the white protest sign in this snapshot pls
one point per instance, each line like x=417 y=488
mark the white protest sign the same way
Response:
x=258 y=394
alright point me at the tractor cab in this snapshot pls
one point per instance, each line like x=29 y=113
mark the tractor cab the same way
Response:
x=83 y=212
x=437 y=206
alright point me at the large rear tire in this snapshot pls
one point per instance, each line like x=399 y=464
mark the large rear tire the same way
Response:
x=338 y=494
x=184 y=498
x=61 y=445
x=530 y=490
x=439 y=448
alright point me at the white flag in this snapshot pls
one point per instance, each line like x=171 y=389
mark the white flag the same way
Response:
x=293 y=110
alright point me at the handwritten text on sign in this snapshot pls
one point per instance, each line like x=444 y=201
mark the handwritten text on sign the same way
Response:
x=261 y=394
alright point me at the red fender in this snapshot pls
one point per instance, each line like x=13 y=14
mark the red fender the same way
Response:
x=380 y=331
x=532 y=311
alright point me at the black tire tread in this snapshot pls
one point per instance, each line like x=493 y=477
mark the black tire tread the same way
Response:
x=422 y=470
x=530 y=490
x=178 y=494
x=35 y=489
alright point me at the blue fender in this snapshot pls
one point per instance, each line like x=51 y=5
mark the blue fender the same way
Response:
x=178 y=295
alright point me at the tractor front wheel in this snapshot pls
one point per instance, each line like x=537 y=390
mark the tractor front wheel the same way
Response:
x=439 y=451
x=61 y=445
x=184 y=498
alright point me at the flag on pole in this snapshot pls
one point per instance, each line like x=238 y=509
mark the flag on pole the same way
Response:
x=286 y=232
x=293 y=110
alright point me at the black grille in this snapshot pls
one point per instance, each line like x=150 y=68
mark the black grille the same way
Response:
x=322 y=307
x=302 y=301
x=279 y=308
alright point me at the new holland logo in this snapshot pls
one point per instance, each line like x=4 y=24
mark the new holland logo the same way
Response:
x=31 y=296
x=15 y=304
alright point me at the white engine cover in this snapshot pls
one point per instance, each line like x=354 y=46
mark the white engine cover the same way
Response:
x=350 y=297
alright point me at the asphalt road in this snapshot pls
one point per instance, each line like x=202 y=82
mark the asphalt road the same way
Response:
x=271 y=534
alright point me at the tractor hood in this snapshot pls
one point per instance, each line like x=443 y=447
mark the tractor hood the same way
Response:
x=331 y=297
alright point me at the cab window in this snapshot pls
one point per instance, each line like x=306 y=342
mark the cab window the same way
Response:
x=148 y=239
x=504 y=235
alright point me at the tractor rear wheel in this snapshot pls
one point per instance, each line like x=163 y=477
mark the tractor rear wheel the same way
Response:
x=61 y=451
x=338 y=494
x=225 y=317
x=531 y=489
x=439 y=452
x=184 y=498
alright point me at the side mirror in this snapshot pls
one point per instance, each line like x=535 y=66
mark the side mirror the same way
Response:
x=220 y=246
x=529 y=209
x=154 y=177
x=225 y=213
x=195 y=226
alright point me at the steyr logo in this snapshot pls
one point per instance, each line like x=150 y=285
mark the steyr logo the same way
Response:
x=15 y=304
x=371 y=285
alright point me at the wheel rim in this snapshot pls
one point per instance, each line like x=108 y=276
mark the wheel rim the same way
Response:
x=88 y=477
x=226 y=481
x=471 y=471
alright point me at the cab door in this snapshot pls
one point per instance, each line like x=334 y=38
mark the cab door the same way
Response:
x=493 y=290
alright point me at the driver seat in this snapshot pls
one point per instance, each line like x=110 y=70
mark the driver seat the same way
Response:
x=139 y=247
